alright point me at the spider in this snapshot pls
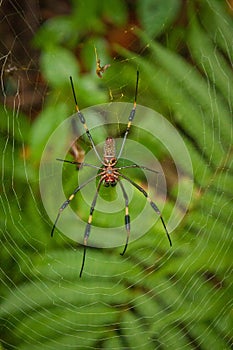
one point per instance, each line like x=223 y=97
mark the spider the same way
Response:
x=109 y=175
x=100 y=69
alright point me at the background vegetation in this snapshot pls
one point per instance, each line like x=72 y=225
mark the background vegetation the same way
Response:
x=154 y=297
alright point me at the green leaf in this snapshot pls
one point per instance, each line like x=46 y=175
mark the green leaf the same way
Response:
x=210 y=60
x=57 y=65
x=116 y=12
x=54 y=32
x=156 y=15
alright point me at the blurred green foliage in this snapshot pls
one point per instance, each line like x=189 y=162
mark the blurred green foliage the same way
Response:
x=153 y=297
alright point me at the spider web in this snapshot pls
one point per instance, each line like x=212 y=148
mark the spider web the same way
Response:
x=154 y=297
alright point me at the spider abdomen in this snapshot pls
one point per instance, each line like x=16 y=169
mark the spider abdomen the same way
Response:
x=109 y=150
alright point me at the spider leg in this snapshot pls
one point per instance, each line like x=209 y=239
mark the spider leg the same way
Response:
x=153 y=205
x=131 y=117
x=67 y=202
x=138 y=166
x=127 y=217
x=88 y=226
x=83 y=120
x=79 y=163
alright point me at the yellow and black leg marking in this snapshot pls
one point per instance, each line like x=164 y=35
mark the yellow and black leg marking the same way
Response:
x=127 y=217
x=131 y=117
x=67 y=202
x=83 y=120
x=88 y=226
x=153 y=205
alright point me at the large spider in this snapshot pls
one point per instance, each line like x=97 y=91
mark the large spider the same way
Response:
x=109 y=175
